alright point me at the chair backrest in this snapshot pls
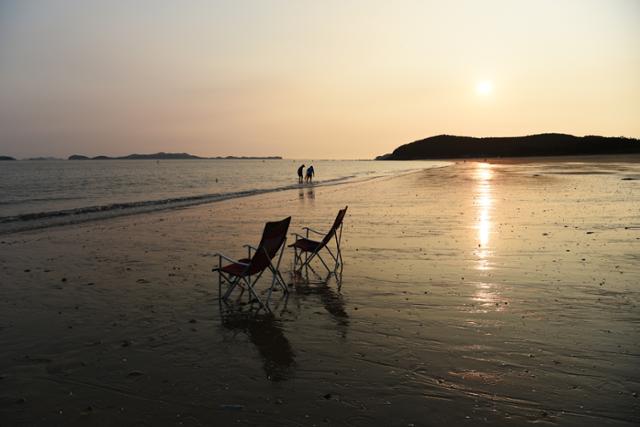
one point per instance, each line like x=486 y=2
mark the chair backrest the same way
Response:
x=273 y=237
x=336 y=224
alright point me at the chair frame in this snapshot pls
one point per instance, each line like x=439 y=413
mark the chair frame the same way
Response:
x=248 y=282
x=310 y=255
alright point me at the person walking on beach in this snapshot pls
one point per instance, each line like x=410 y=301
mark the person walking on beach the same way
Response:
x=310 y=173
x=300 y=170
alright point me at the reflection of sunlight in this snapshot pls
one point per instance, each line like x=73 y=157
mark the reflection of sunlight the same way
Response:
x=487 y=296
x=483 y=202
x=483 y=260
x=484 y=294
x=483 y=228
x=484 y=173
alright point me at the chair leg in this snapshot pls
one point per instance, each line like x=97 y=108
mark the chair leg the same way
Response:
x=306 y=272
x=324 y=263
x=274 y=278
x=295 y=258
x=277 y=278
x=253 y=293
x=298 y=260
x=308 y=259
x=282 y=282
x=335 y=260
x=232 y=284
x=232 y=287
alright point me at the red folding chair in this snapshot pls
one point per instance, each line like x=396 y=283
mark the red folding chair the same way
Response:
x=246 y=272
x=311 y=248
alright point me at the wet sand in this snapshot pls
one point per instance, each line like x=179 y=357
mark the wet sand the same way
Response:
x=495 y=294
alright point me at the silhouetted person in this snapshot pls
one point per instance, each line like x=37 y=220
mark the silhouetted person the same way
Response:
x=310 y=173
x=300 y=170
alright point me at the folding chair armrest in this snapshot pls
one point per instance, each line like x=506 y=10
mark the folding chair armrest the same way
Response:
x=249 y=249
x=298 y=236
x=235 y=261
x=313 y=231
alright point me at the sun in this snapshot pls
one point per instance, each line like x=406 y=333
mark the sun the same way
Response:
x=484 y=87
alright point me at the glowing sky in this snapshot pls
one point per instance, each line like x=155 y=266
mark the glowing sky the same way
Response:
x=310 y=79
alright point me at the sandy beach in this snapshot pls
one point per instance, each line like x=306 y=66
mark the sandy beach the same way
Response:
x=502 y=293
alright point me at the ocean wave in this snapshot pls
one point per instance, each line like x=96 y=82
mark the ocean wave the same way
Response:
x=36 y=220
x=51 y=218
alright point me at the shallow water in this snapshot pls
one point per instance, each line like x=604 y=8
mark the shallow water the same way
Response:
x=38 y=194
x=493 y=294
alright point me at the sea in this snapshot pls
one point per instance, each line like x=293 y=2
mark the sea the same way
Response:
x=44 y=193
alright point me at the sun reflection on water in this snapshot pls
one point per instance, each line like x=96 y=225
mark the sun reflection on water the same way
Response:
x=487 y=295
x=483 y=202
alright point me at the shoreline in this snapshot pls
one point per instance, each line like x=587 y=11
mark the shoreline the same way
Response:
x=70 y=217
x=589 y=158
x=106 y=212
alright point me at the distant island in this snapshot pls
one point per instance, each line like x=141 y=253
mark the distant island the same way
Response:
x=546 y=144
x=6 y=158
x=167 y=156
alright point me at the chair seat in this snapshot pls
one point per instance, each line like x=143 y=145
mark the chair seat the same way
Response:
x=236 y=269
x=306 y=245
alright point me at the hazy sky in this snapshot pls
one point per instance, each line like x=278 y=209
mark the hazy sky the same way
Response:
x=310 y=79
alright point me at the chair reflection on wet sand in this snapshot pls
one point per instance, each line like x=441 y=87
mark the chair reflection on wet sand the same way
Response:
x=306 y=249
x=331 y=298
x=246 y=272
x=265 y=332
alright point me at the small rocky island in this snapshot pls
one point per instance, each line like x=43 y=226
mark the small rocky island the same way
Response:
x=6 y=158
x=165 y=156
x=546 y=144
